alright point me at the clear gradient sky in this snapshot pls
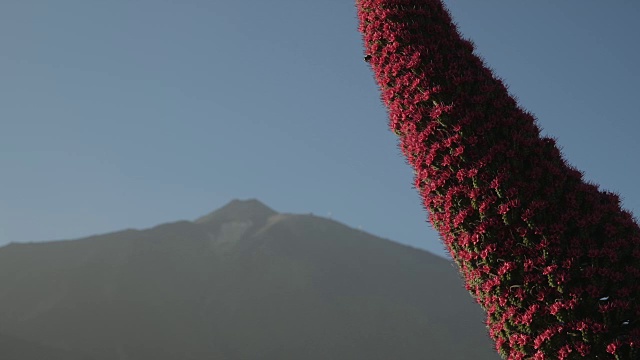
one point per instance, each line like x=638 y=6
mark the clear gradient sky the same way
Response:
x=126 y=114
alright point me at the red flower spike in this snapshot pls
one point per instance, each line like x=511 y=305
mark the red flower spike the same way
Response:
x=552 y=258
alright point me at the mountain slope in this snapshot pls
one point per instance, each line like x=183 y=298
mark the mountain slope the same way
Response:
x=12 y=348
x=243 y=282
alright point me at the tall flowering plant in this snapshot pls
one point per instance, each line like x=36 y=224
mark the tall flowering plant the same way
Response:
x=553 y=260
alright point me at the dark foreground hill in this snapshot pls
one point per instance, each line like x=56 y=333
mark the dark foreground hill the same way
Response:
x=241 y=283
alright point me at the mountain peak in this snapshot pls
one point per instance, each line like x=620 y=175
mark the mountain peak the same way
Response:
x=254 y=280
x=239 y=210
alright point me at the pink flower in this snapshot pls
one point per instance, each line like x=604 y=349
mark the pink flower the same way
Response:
x=549 y=269
x=582 y=348
x=613 y=347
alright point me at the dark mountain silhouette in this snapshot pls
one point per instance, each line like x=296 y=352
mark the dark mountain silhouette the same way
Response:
x=241 y=283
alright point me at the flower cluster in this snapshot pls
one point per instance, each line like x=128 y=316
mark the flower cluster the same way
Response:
x=554 y=261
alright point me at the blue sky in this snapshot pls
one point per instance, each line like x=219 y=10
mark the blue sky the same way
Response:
x=126 y=114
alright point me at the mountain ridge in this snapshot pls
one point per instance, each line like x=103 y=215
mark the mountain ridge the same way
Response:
x=232 y=289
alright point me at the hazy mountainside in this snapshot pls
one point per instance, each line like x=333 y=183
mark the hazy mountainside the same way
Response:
x=12 y=348
x=243 y=282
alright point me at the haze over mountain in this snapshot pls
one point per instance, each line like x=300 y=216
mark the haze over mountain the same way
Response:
x=15 y=348
x=243 y=282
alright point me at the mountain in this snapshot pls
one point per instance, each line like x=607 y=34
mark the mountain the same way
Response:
x=12 y=348
x=243 y=282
